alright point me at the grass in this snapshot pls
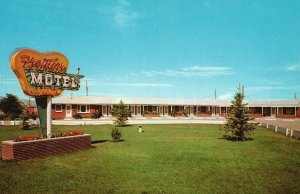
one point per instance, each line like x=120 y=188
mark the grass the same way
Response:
x=164 y=159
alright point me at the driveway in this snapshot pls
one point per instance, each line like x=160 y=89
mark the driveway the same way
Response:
x=284 y=123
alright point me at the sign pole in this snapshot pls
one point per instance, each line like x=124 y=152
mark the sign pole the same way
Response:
x=41 y=103
x=49 y=116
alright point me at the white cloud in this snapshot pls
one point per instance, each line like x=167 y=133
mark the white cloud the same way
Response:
x=194 y=71
x=227 y=96
x=206 y=68
x=156 y=85
x=123 y=15
x=295 y=67
x=264 y=88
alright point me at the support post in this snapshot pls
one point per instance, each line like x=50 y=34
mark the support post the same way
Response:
x=276 y=129
x=287 y=132
x=291 y=132
x=49 y=116
x=41 y=103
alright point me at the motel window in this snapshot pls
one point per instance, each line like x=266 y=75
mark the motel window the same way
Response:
x=83 y=109
x=289 y=111
x=223 y=109
x=132 y=109
x=203 y=109
x=58 y=108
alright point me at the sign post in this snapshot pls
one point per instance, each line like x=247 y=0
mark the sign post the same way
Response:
x=49 y=120
x=41 y=103
x=43 y=76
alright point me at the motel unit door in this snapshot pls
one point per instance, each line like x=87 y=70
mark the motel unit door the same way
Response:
x=68 y=110
x=273 y=111
x=161 y=110
x=138 y=110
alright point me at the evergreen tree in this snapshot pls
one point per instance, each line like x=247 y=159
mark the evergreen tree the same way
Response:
x=238 y=125
x=116 y=134
x=11 y=106
x=121 y=112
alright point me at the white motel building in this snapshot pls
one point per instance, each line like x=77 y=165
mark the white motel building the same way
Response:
x=86 y=106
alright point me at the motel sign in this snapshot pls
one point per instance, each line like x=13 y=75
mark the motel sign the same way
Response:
x=43 y=76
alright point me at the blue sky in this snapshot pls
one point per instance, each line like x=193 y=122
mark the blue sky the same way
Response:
x=168 y=49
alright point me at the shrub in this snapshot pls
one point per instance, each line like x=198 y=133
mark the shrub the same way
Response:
x=96 y=115
x=116 y=134
x=77 y=116
x=2 y=116
x=173 y=113
x=186 y=113
x=33 y=116
x=25 y=122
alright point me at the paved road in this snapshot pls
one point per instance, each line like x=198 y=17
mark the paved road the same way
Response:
x=285 y=123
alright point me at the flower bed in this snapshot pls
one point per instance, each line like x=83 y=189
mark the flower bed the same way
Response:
x=57 y=134
x=28 y=147
x=203 y=115
x=151 y=115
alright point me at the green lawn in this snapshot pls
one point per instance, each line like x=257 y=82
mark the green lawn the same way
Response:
x=165 y=159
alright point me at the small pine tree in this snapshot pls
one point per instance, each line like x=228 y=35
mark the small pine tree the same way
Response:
x=238 y=125
x=115 y=134
x=121 y=112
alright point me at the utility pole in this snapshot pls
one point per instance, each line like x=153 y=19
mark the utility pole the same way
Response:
x=86 y=88
x=215 y=94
